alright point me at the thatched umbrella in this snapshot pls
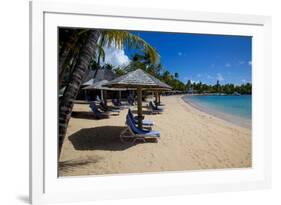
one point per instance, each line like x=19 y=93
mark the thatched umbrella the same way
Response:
x=164 y=87
x=99 y=86
x=139 y=80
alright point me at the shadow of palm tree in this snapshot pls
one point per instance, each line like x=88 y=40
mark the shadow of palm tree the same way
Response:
x=99 y=138
x=73 y=163
x=69 y=165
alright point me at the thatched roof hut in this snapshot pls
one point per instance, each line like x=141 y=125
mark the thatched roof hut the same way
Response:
x=102 y=74
x=100 y=86
x=138 y=78
x=90 y=79
x=141 y=81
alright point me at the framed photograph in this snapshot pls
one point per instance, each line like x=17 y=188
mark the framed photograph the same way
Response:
x=129 y=102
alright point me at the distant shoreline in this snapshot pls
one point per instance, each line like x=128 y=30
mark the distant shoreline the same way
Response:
x=239 y=121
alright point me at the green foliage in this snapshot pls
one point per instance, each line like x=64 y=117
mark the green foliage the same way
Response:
x=120 y=39
x=229 y=89
x=119 y=71
x=142 y=61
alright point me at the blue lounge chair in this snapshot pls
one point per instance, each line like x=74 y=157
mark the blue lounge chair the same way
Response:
x=157 y=107
x=158 y=104
x=135 y=133
x=117 y=104
x=154 y=109
x=98 y=99
x=97 y=113
x=105 y=108
x=131 y=100
x=145 y=123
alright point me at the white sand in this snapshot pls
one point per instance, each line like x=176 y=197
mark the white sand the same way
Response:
x=190 y=140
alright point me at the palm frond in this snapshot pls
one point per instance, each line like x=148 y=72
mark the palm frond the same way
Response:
x=120 y=39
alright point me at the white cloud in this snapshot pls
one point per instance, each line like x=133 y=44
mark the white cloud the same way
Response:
x=193 y=81
x=209 y=77
x=241 y=62
x=115 y=57
x=219 y=77
x=244 y=81
x=199 y=75
x=250 y=62
x=227 y=65
x=180 y=53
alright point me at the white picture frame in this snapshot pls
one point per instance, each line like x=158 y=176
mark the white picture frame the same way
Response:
x=46 y=187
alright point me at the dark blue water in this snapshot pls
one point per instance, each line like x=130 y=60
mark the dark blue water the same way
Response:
x=240 y=106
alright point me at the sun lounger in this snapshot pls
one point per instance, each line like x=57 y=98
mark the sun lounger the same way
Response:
x=157 y=107
x=116 y=103
x=153 y=109
x=105 y=108
x=145 y=123
x=158 y=104
x=98 y=99
x=97 y=113
x=135 y=133
x=131 y=100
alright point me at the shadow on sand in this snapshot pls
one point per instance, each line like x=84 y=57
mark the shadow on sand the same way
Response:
x=99 y=138
x=69 y=165
x=83 y=115
x=145 y=112
x=90 y=115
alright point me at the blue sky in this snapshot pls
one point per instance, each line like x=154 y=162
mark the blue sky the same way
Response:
x=205 y=58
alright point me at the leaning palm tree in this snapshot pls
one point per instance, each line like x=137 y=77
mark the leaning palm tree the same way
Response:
x=87 y=52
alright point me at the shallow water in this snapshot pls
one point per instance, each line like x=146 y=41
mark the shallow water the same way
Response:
x=237 y=109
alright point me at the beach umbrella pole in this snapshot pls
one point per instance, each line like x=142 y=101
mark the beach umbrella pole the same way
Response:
x=101 y=95
x=105 y=97
x=119 y=95
x=139 y=93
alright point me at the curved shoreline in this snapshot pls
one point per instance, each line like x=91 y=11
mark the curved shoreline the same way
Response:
x=226 y=117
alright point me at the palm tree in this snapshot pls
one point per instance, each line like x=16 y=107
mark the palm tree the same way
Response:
x=70 y=44
x=66 y=102
x=92 y=41
x=120 y=39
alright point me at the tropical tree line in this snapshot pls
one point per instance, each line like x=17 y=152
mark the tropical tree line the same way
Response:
x=243 y=89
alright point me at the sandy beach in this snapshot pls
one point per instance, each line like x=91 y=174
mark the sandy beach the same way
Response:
x=190 y=140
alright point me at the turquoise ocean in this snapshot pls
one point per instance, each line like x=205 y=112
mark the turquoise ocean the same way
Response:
x=237 y=106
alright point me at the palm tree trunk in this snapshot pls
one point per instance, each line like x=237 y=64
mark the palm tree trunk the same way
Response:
x=66 y=104
x=64 y=54
x=71 y=62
